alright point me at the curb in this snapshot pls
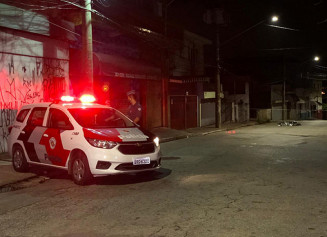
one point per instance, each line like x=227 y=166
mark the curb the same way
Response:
x=214 y=131
x=169 y=139
x=21 y=183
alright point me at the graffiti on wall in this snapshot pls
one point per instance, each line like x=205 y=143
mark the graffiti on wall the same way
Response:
x=25 y=80
x=53 y=78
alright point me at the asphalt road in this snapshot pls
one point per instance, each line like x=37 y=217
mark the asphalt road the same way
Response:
x=262 y=180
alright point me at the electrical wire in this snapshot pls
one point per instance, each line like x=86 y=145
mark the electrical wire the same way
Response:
x=55 y=5
x=281 y=49
x=104 y=3
x=144 y=33
x=61 y=27
x=130 y=29
x=321 y=67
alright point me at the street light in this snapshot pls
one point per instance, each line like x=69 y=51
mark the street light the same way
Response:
x=315 y=58
x=219 y=45
x=274 y=18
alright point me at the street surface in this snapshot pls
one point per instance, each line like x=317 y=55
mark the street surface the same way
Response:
x=262 y=180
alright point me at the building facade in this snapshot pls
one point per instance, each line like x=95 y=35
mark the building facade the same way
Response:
x=186 y=79
x=33 y=66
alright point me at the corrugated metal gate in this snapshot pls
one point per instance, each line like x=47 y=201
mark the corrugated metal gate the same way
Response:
x=183 y=111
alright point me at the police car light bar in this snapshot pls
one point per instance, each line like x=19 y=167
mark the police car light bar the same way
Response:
x=67 y=98
x=87 y=98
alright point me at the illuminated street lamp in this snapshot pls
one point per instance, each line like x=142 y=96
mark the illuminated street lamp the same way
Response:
x=274 y=18
x=315 y=59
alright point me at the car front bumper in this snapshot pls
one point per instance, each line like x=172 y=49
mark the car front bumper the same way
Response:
x=119 y=163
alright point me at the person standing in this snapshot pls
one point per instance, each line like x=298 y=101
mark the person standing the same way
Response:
x=135 y=109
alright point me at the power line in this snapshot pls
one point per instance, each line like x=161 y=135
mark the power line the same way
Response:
x=283 y=27
x=281 y=49
x=92 y=11
x=40 y=7
x=61 y=27
x=104 y=3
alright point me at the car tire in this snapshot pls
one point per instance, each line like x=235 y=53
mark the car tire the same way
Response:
x=19 y=161
x=81 y=173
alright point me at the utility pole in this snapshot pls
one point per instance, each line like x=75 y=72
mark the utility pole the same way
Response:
x=216 y=17
x=284 y=89
x=87 y=47
x=218 y=84
x=165 y=67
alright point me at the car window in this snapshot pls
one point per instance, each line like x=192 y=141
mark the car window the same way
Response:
x=22 y=115
x=37 y=116
x=100 y=118
x=58 y=119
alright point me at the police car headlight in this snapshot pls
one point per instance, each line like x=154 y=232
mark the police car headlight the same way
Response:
x=101 y=143
x=156 y=141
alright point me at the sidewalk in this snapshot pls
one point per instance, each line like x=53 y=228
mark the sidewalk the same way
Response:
x=9 y=176
x=167 y=134
x=7 y=173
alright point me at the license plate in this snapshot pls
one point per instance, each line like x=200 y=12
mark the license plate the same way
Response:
x=141 y=161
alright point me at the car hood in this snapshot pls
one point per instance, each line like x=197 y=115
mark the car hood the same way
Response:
x=117 y=134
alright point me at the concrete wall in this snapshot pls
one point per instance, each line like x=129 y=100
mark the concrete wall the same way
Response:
x=301 y=103
x=237 y=106
x=277 y=112
x=154 y=111
x=207 y=114
x=264 y=115
x=189 y=59
x=32 y=69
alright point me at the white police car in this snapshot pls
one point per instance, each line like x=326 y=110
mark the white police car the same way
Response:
x=84 y=138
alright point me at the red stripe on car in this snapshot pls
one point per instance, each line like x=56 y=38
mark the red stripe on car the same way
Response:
x=102 y=134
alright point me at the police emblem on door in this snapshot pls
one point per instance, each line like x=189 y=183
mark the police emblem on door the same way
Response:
x=52 y=142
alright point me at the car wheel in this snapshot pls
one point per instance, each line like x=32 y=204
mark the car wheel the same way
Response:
x=18 y=160
x=80 y=170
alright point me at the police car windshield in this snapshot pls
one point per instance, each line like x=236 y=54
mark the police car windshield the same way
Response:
x=100 y=118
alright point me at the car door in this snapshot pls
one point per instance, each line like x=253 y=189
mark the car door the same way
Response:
x=31 y=134
x=53 y=139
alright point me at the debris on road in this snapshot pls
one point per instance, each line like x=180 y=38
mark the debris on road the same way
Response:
x=289 y=123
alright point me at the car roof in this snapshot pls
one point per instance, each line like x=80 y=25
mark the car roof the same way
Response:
x=80 y=105
x=66 y=105
x=43 y=104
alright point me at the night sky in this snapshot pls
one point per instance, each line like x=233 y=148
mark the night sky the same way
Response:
x=303 y=36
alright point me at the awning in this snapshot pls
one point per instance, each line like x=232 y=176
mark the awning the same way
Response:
x=301 y=101
x=292 y=98
x=118 y=66
x=315 y=102
x=185 y=79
